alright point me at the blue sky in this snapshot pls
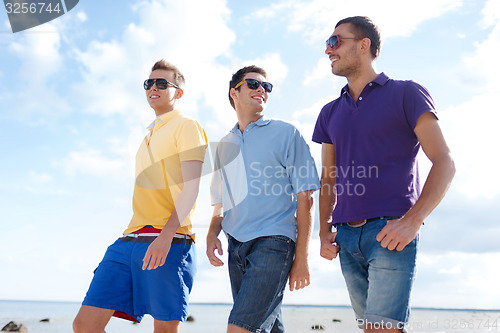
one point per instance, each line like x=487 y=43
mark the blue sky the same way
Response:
x=73 y=111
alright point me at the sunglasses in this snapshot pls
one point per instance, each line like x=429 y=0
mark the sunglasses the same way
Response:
x=160 y=84
x=335 y=40
x=254 y=84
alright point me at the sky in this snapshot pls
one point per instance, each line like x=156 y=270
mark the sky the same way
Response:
x=73 y=112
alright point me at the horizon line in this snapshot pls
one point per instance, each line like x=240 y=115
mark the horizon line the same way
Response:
x=285 y=305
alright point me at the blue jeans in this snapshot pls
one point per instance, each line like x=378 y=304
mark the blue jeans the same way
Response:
x=258 y=270
x=379 y=281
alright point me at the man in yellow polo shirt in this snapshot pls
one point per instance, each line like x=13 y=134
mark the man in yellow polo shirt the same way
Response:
x=150 y=269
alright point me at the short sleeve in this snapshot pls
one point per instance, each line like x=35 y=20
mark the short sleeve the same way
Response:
x=320 y=134
x=216 y=183
x=192 y=141
x=300 y=165
x=417 y=101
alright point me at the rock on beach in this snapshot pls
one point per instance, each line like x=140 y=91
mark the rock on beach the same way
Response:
x=12 y=326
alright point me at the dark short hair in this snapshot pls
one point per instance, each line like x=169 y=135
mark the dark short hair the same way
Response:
x=240 y=74
x=365 y=28
x=163 y=65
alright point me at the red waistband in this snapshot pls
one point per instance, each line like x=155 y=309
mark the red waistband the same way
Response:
x=147 y=230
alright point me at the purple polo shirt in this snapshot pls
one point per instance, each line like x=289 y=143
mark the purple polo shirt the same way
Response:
x=375 y=147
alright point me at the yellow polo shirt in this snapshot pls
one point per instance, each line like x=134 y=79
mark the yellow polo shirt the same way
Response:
x=173 y=139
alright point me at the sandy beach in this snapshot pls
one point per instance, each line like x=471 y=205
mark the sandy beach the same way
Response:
x=213 y=317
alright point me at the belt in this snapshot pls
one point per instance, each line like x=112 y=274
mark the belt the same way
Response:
x=149 y=238
x=360 y=223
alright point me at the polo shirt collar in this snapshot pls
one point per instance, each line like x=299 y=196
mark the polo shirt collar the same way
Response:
x=381 y=79
x=165 y=118
x=262 y=121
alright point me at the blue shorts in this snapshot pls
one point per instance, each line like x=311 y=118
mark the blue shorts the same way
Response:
x=258 y=270
x=120 y=284
x=379 y=281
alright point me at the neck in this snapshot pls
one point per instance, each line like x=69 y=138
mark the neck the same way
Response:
x=245 y=119
x=160 y=112
x=358 y=81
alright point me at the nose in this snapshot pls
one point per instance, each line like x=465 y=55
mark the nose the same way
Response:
x=328 y=49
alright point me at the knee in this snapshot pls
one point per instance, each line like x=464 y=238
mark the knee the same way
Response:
x=166 y=326
x=80 y=326
x=77 y=325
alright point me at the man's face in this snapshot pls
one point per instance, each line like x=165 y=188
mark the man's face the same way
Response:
x=162 y=100
x=345 y=59
x=254 y=99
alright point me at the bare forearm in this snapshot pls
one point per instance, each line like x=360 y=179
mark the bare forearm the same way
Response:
x=304 y=224
x=215 y=226
x=435 y=187
x=183 y=206
x=327 y=202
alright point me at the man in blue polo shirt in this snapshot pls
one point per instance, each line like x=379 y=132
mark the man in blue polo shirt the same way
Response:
x=370 y=192
x=262 y=195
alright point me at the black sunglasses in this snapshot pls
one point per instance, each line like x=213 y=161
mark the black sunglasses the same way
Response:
x=160 y=84
x=335 y=40
x=254 y=84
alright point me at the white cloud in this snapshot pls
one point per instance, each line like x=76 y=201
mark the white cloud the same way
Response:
x=455 y=277
x=270 y=12
x=39 y=178
x=317 y=18
x=173 y=30
x=322 y=71
x=91 y=162
x=82 y=16
x=40 y=53
x=472 y=127
x=491 y=12
x=481 y=65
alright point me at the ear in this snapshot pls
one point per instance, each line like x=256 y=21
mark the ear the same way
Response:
x=233 y=93
x=366 y=43
x=179 y=93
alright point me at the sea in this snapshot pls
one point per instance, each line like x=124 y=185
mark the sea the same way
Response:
x=52 y=317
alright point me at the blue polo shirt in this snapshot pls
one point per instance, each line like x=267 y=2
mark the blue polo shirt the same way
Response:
x=375 y=147
x=257 y=175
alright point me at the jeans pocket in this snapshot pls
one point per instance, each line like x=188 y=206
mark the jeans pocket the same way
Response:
x=338 y=237
x=280 y=238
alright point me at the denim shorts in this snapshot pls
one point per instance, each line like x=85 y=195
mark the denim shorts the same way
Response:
x=379 y=281
x=120 y=284
x=258 y=270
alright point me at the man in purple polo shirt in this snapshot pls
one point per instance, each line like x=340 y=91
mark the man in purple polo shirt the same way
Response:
x=371 y=206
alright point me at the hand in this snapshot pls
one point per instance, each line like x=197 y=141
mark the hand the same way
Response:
x=329 y=249
x=299 y=275
x=157 y=253
x=397 y=234
x=213 y=243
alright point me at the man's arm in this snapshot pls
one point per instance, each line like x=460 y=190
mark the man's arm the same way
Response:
x=299 y=274
x=213 y=242
x=399 y=233
x=327 y=201
x=158 y=250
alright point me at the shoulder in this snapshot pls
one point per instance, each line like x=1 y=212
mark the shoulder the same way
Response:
x=281 y=124
x=329 y=108
x=283 y=127
x=407 y=86
x=187 y=124
x=185 y=120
